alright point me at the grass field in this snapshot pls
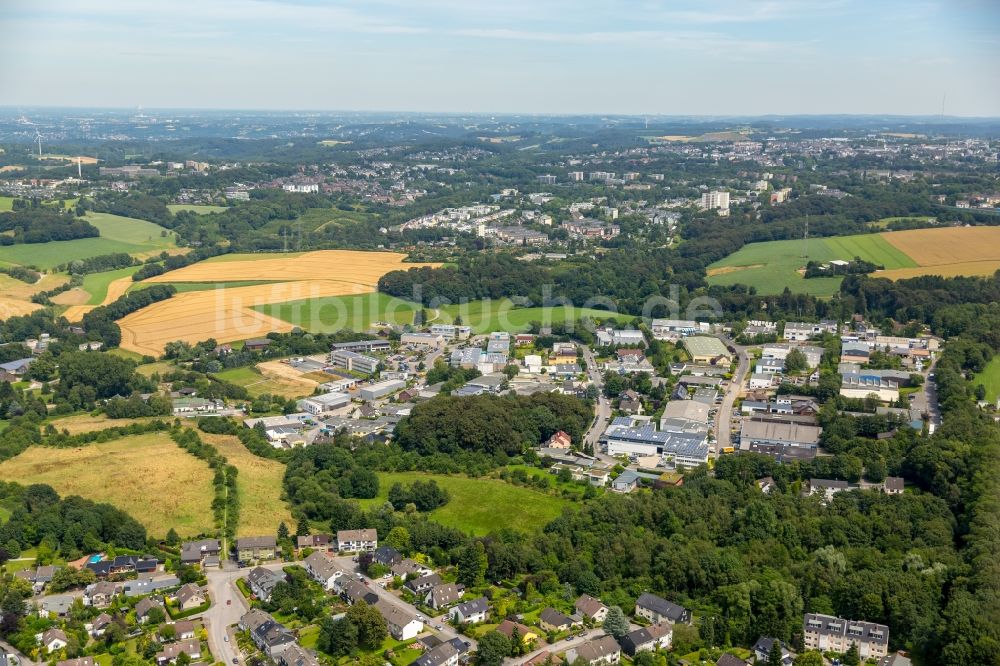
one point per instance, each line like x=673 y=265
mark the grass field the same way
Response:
x=201 y=209
x=990 y=378
x=356 y=313
x=203 y=286
x=88 y=423
x=772 y=266
x=118 y=234
x=267 y=379
x=6 y=203
x=148 y=476
x=260 y=486
x=480 y=506
x=359 y=312
x=101 y=289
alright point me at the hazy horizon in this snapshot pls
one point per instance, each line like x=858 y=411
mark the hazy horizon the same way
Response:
x=717 y=58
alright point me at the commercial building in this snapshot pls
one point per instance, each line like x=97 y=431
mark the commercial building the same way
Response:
x=354 y=361
x=671 y=329
x=318 y=405
x=626 y=436
x=779 y=433
x=706 y=349
x=428 y=340
x=369 y=346
x=381 y=389
x=800 y=331
x=628 y=337
x=451 y=331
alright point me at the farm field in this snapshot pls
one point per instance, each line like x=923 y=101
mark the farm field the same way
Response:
x=79 y=423
x=990 y=379
x=15 y=296
x=99 y=289
x=500 y=315
x=774 y=265
x=356 y=313
x=271 y=377
x=260 y=486
x=6 y=203
x=15 y=307
x=235 y=314
x=201 y=209
x=203 y=286
x=947 y=251
x=127 y=473
x=481 y=505
x=118 y=234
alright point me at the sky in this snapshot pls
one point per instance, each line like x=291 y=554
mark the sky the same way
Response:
x=683 y=57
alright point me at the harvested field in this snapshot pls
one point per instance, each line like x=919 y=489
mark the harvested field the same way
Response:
x=284 y=373
x=988 y=267
x=115 y=289
x=127 y=473
x=229 y=314
x=75 y=296
x=964 y=248
x=361 y=268
x=16 y=289
x=257 y=382
x=12 y=307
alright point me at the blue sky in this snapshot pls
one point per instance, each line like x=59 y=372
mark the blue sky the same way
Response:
x=697 y=57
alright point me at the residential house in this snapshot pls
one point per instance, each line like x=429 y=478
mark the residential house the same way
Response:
x=296 y=655
x=559 y=440
x=79 y=661
x=249 y=549
x=730 y=660
x=190 y=596
x=145 y=607
x=591 y=608
x=256 y=344
x=657 y=609
x=762 y=651
x=648 y=639
x=323 y=569
x=99 y=594
x=443 y=595
x=402 y=625
x=52 y=640
x=100 y=625
x=626 y=482
x=598 y=651
x=630 y=403
x=148 y=583
x=184 y=630
x=318 y=542
x=195 y=552
x=544 y=658
x=409 y=568
x=444 y=654
x=423 y=584
x=552 y=620
x=387 y=556
x=827 y=487
x=527 y=634
x=268 y=635
x=833 y=634
x=169 y=654
x=263 y=581
x=354 y=541
x=353 y=591
x=56 y=604
x=471 y=612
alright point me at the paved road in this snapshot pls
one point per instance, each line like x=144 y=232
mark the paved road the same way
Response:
x=723 y=418
x=221 y=615
x=925 y=401
x=561 y=646
x=602 y=408
x=9 y=649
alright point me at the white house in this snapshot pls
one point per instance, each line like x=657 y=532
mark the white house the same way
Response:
x=322 y=404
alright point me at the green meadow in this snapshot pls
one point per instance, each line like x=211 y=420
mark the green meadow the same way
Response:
x=200 y=209
x=118 y=234
x=479 y=506
x=775 y=265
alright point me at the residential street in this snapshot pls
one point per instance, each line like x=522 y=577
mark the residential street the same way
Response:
x=603 y=406
x=724 y=417
x=925 y=401
x=218 y=618
x=21 y=659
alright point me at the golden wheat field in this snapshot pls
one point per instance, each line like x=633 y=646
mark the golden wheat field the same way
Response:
x=116 y=288
x=228 y=314
x=354 y=267
x=947 y=251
